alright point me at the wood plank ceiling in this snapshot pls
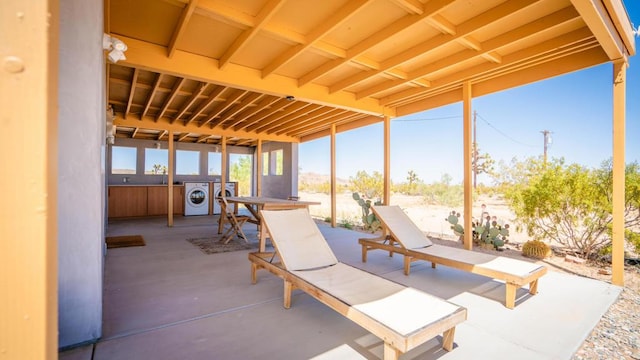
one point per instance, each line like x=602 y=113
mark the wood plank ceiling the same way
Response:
x=289 y=70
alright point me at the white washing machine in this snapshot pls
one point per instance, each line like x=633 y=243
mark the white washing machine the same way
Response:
x=196 y=198
x=230 y=190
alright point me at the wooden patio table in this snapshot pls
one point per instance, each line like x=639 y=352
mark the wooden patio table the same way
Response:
x=256 y=203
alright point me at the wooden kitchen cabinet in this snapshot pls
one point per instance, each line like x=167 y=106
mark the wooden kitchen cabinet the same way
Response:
x=157 y=200
x=127 y=201
x=141 y=200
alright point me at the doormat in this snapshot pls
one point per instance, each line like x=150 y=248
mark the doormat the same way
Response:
x=124 y=241
x=212 y=245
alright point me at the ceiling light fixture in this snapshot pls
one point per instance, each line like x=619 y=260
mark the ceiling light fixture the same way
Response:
x=290 y=97
x=115 y=47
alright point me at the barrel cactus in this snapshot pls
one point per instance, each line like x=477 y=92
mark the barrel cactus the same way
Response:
x=536 y=249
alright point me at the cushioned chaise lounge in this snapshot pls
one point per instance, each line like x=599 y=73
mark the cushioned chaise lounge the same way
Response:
x=401 y=316
x=402 y=236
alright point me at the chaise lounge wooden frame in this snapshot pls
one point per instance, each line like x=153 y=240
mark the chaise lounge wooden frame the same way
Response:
x=402 y=317
x=402 y=236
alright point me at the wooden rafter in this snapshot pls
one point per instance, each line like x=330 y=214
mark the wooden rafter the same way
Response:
x=194 y=96
x=513 y=36
x=230 y=101
x=249 y=113
x=230 y=119
x=335 y=20
x=296 y=115
x=273 y=108
x=263 y=17
x=214 y=96
x=174 y=92
x=132 y=90
x=162 y=134
x=314 y=117
x=489 y=17
x=371 y=41
x=183 y=136
x=292 y=108
x=185 y=16
x=134 y=132
x=152 y=93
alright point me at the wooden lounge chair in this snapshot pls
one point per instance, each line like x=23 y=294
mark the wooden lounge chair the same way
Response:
x=402 y=236
x=235 y=222
x=401 y=316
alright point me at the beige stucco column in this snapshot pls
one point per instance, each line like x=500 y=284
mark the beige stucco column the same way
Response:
x=619 y=102
x=468 y=176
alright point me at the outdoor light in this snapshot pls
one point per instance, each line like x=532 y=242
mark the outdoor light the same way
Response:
x=158 y=145
x=116 y=48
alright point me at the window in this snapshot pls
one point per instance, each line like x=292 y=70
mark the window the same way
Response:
x=156 y=161
x=265 y=164
x=240 y=171
x=187 y=162
x=277 y=158
x=123 y=160
x=214 y=163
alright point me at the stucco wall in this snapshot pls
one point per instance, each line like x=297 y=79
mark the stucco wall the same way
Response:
x=81 y=172
x=281 y=186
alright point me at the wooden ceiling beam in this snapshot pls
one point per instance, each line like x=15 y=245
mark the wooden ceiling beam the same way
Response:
x=266 y=13
x=132 y=89
x=335 y=20
x=185 y=16
x=152 y=57
x=249 y=113
x=274 y=108
x=431 y=8
x=231 y=100
x=152 y=93
x=163 y=124
x=410 y=6
x=315 y=117
x=162 y=134
x=176 y=87
x=327 y=126
x=214 y=96
x=548 y=46
x=247 y=102
x=292 y=108
x=518 y=34
x=298 y=116
x=134 y=132
x=194 y=96
x=183 y=136
x=326 y=123
x=468 y=27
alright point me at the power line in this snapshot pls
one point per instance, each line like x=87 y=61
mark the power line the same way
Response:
x=503 y=134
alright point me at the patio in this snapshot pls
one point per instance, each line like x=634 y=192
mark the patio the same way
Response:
x=169 y=300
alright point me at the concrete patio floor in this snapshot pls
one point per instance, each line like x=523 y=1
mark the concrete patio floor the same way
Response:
x=169 y=300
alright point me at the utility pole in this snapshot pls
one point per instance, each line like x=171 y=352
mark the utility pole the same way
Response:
x=547 y=141
x=475 y=151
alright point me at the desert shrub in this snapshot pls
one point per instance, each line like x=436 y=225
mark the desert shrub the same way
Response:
x=570 y=204
x=370 y=186
x=443 y=192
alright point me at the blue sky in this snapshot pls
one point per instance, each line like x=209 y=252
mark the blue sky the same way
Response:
x=576 y=108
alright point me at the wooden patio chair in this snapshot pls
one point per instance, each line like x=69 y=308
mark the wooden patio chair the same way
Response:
x=402 y=317
x=401 y=235
x=235 y=222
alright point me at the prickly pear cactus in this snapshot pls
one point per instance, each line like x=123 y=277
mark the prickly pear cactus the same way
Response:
x=485 y=232
x=369 y=220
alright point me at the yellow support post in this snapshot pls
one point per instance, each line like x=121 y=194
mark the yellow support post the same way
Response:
x=619 y=101
x=468 y=176
x=333 y=175
x=387 y=161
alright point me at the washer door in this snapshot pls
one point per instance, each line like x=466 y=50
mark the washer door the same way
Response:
x=197 y=197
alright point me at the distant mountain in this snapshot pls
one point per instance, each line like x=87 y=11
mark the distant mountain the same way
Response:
x=313 y=178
